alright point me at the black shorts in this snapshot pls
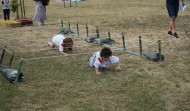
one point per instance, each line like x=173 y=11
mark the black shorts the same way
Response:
x=172 y=10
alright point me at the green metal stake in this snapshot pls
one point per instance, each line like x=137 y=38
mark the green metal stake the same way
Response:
x=87 y=30
x=62 y=25
x=109 y=35
x=69 y=26
x=78 y=29
x=97 y=32
x=159 y=48
x=18 y=73
x=140 y=45
x=123 y=41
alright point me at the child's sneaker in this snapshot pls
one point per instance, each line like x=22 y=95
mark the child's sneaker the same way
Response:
x=170 y=33
x=175 y=35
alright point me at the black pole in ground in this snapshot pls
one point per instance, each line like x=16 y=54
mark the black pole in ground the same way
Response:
x=123 y=39
x=78 y=29
x=11 y=60
x=69 y=25
x=70 y=3
x=159 y=49
x=140 y=45
x=109 y=35
x=62 y=25
x=2 y=55
x=87 y=30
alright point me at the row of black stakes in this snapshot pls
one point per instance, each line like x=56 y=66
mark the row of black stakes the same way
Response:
x=97 y=34
x=2 y=56
x=78 y=33
x=140 y=43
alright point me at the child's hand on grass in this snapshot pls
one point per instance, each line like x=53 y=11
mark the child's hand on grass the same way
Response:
x=118 y=68
x=66 y=54
x=98 y=73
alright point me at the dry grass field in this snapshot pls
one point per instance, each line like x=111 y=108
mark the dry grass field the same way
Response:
x=67 y=83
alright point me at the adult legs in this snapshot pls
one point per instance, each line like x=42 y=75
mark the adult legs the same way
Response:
x=4 y=13
x=8 y=14
x=42 y=23
x=172 y=24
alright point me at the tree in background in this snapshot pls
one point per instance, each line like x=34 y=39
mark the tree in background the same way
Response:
x=14 y=5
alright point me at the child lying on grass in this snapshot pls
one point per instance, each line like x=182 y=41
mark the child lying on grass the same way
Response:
x=64 y=44
x=103 y=59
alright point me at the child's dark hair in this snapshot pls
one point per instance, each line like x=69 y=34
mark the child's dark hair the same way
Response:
x=66 y=43
x=106 y=52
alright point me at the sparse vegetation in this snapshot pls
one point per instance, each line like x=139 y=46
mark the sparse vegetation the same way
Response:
x=69 y=84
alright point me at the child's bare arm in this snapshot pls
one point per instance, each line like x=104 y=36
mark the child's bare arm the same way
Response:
x=97 y=71
x=118 y=66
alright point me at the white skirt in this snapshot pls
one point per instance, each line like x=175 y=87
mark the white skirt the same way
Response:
x=40 y=12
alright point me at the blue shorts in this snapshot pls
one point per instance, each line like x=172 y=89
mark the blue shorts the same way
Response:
x=172 y=10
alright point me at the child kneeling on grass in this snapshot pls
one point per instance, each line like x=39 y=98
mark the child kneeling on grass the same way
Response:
x=103 y=59
x=64 y=44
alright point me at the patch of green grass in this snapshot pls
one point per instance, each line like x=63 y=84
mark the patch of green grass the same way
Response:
x=10 y=96
x=68 y=83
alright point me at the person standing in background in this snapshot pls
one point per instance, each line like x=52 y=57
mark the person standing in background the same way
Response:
x=40 y=12
x=173 y=8
x=6 y=9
